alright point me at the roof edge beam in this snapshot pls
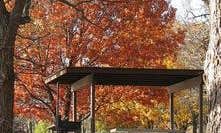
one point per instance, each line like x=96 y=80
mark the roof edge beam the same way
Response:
x=189 y=83
x=55 y=76
x=87 y=80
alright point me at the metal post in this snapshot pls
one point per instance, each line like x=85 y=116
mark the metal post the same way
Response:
x=92 y=106
x=75 y=106
x=171 y=96
x=57 y=104
x=57 y=108
x=201 y=108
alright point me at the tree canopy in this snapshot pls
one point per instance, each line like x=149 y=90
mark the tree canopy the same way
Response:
x=108 y=33
x=101 y=33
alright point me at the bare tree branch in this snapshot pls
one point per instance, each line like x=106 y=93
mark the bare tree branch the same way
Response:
x=80 y=11
x=33 y=38
x=201 y=15
x=35 y=97
x=74 y=5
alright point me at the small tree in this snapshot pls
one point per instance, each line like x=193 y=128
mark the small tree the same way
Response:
x=41 y=127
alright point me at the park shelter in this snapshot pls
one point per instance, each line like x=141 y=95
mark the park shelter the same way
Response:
x=173 y=79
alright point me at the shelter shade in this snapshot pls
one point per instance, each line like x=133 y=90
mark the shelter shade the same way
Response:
x=188 y=83
x=175 y=79
x=123 y=76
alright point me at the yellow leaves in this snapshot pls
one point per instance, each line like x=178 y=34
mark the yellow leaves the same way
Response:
x=133 y=113
x=39 y=25
x=169 y=62
x=186 y=106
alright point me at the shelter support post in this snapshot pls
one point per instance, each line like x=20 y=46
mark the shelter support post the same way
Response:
x=75 y=106
x=57 y=104
x=201 y=108
x=57 y=108
x=171 y=104
x=92 y=106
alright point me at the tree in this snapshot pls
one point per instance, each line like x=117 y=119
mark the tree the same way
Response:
x=212 y=69
x=104 y=35
x=90 y=32
x=10 y=19
x=192 y=54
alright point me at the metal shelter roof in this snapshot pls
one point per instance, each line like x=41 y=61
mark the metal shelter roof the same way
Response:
x=173 y=78
x=123 y=76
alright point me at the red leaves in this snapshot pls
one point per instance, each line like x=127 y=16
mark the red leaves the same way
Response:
x=105 y=33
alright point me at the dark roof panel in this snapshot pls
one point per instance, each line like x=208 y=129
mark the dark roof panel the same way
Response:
x=124 y=76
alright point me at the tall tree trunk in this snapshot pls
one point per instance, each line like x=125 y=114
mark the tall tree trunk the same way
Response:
x=9 y=24
x=213 y=68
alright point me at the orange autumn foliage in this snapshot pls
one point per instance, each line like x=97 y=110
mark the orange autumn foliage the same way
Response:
x=102 y=33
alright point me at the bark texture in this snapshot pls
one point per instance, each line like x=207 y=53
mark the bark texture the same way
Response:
x=213 y=68
x=9 y=23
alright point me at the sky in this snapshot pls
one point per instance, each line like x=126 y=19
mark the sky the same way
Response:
x=185 y=7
